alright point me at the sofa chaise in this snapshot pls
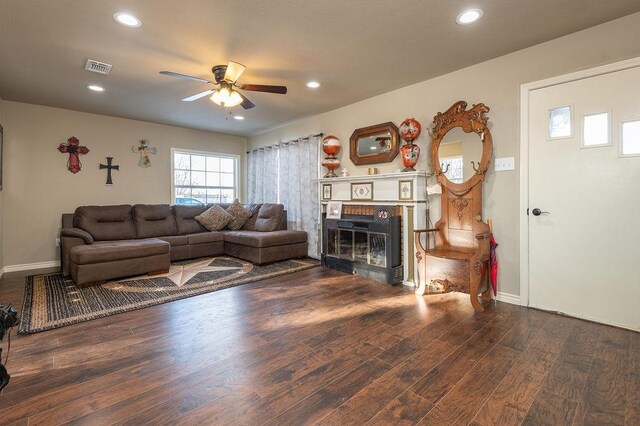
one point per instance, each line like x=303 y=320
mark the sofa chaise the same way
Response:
x=100 y=243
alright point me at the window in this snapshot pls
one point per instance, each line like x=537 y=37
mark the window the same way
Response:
x=453 y=167
x=560 y=123
x=630 y=145
x=595 y=130
x=203 y=177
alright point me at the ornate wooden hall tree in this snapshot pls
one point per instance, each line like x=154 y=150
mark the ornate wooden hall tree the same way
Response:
x=459 y=261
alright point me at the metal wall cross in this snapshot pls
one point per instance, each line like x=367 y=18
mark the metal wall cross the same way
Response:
x=109 y=167
x=74 y=149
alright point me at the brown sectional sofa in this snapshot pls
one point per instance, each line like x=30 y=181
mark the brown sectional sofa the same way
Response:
x=100 y=243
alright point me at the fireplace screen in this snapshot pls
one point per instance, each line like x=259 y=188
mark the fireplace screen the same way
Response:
x=359 y=246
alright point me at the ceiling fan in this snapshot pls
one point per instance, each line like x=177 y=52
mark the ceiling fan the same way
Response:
x=226 y=76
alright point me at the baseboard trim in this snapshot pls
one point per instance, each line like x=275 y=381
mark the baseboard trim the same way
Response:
x=508 y=298
x=30 y=266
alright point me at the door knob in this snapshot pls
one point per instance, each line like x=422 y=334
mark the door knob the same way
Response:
x=538 y=212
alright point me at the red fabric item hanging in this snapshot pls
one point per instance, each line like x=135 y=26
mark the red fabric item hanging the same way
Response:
x=493 y=265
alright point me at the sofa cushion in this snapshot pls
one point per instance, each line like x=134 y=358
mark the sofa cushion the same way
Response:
x=240 y=215
x=109 y=251
x=265 y=239
x=185 y=218
x=250 y=224
x=106 y=223
x=154 y=220
x=214 y=218
x=269 y=217
x=205 y=237
x=175 y=240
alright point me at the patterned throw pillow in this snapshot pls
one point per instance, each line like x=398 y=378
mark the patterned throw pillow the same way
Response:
x=240 y=215
x=214 y=218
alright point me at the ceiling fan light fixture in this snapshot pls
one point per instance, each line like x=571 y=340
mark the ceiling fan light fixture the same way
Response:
x=469 y=16
x=127 y=19
x=226 y=98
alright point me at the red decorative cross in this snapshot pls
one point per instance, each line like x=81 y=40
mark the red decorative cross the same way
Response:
x=73 y=148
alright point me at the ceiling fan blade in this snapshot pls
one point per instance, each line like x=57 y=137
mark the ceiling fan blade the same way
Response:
x=198 y=95
x=186 y=77
x=246 y=103
x=282 y=90
x=234 y=71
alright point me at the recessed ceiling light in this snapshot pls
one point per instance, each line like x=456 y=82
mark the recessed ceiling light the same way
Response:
x=238 y=117
x=95 y=87
x=469 y=16
x=127 y=19
x=313 y=84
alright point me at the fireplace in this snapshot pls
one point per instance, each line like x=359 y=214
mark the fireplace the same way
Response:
x=359 y=245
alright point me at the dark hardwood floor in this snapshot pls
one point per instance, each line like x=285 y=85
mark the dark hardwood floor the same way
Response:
x=323 y=347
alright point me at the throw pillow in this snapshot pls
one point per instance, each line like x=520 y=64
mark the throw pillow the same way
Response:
x=214 y=218
x=250 y=225
x=240 y=215
x=269 y=217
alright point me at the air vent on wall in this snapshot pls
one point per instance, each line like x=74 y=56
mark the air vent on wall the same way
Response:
x=99 y=67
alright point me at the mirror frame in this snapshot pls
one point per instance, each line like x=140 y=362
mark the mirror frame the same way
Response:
x=472 y=120
x=385 y=157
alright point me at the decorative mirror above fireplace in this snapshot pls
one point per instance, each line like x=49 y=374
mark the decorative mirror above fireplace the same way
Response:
x=374 y=144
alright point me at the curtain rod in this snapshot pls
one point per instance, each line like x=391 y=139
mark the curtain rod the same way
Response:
x=277 y=145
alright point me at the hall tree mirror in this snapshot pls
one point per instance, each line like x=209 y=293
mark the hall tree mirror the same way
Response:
x=459 y=258
x=460 y=154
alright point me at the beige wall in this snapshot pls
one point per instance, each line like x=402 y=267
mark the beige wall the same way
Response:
x=1 y=197
x=495 y=83
x=38 y=188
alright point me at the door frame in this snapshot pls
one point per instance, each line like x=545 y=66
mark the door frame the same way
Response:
x=525 y=90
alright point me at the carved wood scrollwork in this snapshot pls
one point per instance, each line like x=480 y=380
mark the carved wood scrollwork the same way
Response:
x=447 y=286
x=472 y=120
x=477 y=266
x=460 y=204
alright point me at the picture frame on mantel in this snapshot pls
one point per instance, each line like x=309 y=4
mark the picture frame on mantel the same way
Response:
x=326 y=191
x=362 y=191
x=334 y=210
x=405 y=190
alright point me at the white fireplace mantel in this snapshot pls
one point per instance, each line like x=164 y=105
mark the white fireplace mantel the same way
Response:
x=386 y=190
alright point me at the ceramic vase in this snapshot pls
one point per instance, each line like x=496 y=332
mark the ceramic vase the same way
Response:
x=409 y=131
x=331 y=147
x=410 y=153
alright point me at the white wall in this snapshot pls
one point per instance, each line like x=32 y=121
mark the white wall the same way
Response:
x=495 y=83
x=38 y=188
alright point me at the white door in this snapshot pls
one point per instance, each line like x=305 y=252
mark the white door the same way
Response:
x=584 y=177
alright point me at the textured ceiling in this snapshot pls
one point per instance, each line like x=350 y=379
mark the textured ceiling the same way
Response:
x=357 y=49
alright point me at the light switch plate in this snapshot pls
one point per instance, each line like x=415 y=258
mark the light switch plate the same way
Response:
x=505 y=163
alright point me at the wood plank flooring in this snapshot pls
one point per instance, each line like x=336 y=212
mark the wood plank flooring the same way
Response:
x=322 y=347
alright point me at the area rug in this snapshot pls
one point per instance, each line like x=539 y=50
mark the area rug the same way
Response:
x=51 y=302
